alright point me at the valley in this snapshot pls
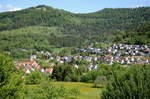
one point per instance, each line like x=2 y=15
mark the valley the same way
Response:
x=49 y=53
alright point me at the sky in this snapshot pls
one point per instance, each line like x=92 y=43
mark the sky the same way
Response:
x=75 y=6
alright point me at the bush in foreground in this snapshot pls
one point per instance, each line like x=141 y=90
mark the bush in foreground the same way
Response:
x=134 y=83
x=11 y=86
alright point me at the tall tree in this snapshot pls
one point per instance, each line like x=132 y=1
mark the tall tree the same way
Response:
x=11 y=87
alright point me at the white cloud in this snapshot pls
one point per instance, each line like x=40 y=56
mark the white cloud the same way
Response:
x=4 y=8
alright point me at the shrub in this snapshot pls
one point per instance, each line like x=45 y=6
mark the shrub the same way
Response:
x=35 y=78
x=134 y=83
x=11 y=87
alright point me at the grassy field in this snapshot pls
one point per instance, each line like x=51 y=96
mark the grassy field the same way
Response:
x=86 y=89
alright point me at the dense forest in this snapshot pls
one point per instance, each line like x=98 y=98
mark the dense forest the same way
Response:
x=138 y=36
x=104 y=21
x=43 y=27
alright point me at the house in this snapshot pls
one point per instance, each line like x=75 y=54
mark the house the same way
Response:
x=122 y=62
x=49 y=70
x=92 y=67
x=33 y=57
x=108 y=57
x=28 y=66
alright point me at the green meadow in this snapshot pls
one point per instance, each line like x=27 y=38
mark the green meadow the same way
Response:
x=86 y=90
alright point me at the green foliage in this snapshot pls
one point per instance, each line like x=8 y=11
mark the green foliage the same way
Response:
x=11 y=86
x=103 y=46
x=100 y=80
x=140 y=35
x=44 y=64
x=6 y=65
x=103 y=70
x=65 y=51
x=99 y=22
x=81 y=62
x=131 y=84
x=35 y=77
x=42 y=27
x=14 y=89
x=110 y=70
x=48 y=91
x=17 y=54
x=90 y=76
x=85 y=90
x=65 y=73
x=44 y=91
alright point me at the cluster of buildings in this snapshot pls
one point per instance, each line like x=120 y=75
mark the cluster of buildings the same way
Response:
x=119 y=50
x=89 y=50
x=30 y=66
x=120 y=53
x=129 y=50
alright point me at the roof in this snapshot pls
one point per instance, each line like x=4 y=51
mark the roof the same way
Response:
x=49 y=70
x=27 y=65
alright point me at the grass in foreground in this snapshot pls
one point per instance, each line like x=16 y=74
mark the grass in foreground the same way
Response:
x=86 y=89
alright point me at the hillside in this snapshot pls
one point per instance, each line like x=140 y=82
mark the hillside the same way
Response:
x=104 y=21
x=43 y=27
x=138 y=36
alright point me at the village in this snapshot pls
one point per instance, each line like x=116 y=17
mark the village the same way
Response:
x=123 y=54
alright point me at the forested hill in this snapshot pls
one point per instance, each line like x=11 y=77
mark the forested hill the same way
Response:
x=44 y=27
x=103 y=21
x=138 y=36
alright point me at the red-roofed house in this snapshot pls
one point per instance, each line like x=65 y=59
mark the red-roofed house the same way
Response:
x=28 y=66
x=49 y=70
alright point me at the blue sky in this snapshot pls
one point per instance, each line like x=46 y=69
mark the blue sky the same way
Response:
x=76 y=6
